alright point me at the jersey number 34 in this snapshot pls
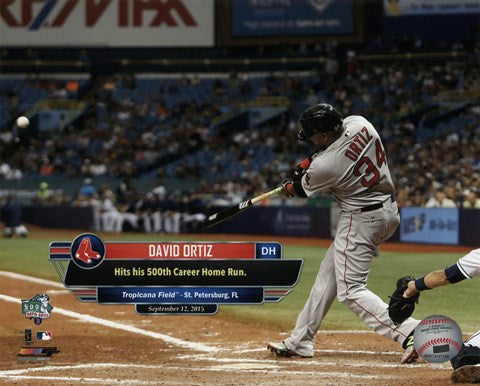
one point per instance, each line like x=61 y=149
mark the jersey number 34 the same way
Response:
x=371 y=172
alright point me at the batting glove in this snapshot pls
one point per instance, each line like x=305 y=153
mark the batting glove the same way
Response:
x=301 y=169
x=287 y=189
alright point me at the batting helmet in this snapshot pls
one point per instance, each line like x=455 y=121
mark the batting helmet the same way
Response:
x=318 y=118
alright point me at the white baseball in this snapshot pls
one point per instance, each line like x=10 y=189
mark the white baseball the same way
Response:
x=23 y=122
x=437 y=338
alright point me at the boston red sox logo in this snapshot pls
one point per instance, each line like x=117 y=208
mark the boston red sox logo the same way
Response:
x=88 y=251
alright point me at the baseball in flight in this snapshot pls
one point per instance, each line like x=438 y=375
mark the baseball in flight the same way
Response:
x=23 y=122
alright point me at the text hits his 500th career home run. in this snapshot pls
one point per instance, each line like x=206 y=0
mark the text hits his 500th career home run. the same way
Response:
x=204 y=272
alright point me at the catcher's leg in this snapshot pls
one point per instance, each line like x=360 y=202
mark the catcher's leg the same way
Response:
x=318 y=303
x=467 y=374
x=474 y=340
x=467 y=363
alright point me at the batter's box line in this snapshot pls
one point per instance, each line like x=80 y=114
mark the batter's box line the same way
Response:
x=14 y=375
x=333 y=374
x=328 y=351
x=73 y=367
x=101 y=381
x=307 y=362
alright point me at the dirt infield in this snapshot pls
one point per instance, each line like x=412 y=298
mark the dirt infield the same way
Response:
x=189 y=350
x=112 y=344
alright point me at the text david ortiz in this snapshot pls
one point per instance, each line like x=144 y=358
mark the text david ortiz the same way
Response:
x=180 y=250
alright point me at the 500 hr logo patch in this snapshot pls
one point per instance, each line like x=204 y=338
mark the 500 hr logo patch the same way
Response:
x=37 y=308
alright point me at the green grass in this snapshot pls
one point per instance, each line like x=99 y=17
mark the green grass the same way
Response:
x=30 y=256
x=457 y=301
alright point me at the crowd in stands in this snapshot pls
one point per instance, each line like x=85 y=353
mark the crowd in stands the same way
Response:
x=443 y=170
x=162 y=127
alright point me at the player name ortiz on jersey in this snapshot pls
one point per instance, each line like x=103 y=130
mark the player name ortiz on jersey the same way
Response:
x=351 y=166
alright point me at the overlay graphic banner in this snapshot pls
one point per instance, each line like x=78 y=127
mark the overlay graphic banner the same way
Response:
x=186 y=272
x=174 y=277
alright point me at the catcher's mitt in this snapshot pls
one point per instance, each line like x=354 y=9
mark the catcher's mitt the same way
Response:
x=401 y=308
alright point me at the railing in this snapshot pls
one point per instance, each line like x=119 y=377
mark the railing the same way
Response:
x=63 y=104
x=460 y=95
x=272 y=101
x=209 y=64
x=413 y=56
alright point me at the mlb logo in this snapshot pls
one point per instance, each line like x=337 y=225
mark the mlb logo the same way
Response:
x=44 y=335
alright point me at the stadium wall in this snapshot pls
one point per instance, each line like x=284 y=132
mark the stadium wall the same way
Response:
x=418 y=225
x=58 y=216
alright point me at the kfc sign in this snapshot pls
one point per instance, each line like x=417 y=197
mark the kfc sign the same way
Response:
x=106 y=22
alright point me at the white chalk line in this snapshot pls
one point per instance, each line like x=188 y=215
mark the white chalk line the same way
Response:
x=309 y=362
x=125 y=327
x=101 y=381
x=18 y=374
x=80 y=366
x=334 y=374
x=58 y=292
x=328 y=351
x=206 y=357
x=242 y=366
x=32 y=279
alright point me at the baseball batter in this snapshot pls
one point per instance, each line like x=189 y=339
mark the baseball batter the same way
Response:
x=352 y=166
x=467 y=363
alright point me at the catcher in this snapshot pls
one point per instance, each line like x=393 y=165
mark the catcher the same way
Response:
x=466 y=364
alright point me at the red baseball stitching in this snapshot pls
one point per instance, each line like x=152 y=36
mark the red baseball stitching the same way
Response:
x=436 y=341
x=435 y=321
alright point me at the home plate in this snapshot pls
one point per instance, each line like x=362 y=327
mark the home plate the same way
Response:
x=245 y=366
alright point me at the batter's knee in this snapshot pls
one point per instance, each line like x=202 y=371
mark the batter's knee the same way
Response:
x=347 y=293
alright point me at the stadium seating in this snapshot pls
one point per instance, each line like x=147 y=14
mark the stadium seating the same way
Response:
x=169 y=126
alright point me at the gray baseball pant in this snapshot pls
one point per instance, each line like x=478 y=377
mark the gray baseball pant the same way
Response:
x=343 y=274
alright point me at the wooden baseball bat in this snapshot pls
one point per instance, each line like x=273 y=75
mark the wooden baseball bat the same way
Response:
x=218 y=217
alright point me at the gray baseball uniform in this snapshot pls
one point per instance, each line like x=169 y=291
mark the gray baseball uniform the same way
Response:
x=354 y=170
x=469 y=266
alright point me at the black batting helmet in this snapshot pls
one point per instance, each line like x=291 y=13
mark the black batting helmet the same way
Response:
x=320 y=117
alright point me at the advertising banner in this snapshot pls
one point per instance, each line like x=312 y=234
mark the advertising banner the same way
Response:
x=429 y=225
x=124 y=23
x=429 y=7
x=291 y=17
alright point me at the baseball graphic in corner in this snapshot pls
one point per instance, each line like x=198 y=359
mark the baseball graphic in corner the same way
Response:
x=438 y=338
